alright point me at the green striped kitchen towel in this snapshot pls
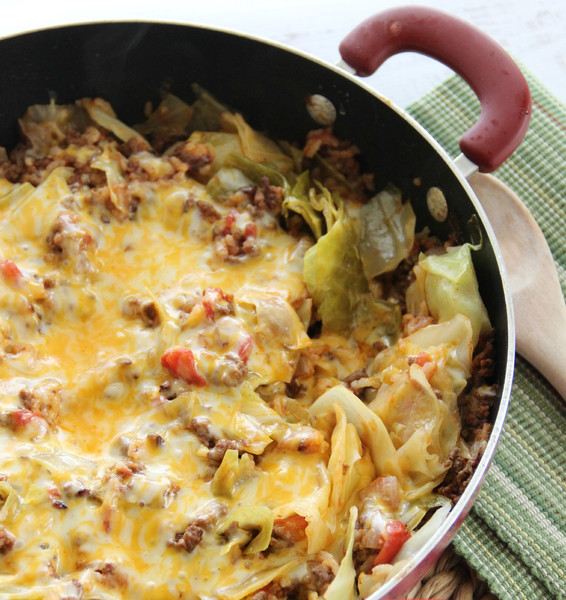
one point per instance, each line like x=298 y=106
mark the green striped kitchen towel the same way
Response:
x=515 y=535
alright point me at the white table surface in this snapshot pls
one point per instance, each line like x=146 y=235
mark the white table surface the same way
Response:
x=533 y=31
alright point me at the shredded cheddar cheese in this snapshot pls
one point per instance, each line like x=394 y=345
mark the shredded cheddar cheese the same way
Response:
x=172 y=422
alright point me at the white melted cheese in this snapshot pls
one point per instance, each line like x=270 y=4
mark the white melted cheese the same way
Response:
x=75 y=332
x=137 y=347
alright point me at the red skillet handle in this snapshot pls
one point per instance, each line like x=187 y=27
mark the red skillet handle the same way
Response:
x=497 y=81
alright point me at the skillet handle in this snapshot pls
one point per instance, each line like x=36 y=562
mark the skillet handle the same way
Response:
x=497 y=81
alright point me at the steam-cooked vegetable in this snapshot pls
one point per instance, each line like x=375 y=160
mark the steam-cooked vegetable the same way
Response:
x=170 y=119
x=445 y=285
x=102 y=113
x=343 y=585
x=10 y=503
x=47 y=124
x=388 y=229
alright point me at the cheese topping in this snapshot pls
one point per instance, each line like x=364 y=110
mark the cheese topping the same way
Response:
x=170 y=425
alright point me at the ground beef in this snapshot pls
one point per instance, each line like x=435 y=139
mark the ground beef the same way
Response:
x=45 y=400
x=211 y=514
x=144 y=310
x=11 y=171
x=229 y=371
x=483 y=363
x=262 y=198
x=320 y=576
x=198 y=157
x=200 y=426
x=462 y=469
x=208 y=212
x=187 y=540
x=339 y=169
x=275 y=591
x=7 y=540
x=320 y=573
x=68 y=241
x=475 y=404
x=217 y=452
x=110 y=575
x=123 y=470
x=134 y=145
x=234 y=241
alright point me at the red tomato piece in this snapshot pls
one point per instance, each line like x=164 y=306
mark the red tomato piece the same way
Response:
x=10 y=271
x=245 y=348
x=21 y=417
x=229 y=220
x=294 y=526
x=395 y=535
x=250 y=230
x=211 y=299
x=423 y=358
x=180 y=362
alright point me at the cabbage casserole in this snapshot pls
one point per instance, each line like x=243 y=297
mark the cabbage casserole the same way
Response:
x=229 y=368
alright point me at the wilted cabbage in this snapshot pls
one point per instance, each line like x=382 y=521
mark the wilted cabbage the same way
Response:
x=387 y=232
x=446 y=285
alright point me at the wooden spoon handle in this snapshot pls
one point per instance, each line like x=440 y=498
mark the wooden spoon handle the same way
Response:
x=543 y=341
x=538 y=302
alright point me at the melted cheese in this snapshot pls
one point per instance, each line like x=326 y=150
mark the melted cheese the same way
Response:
x=131 y=342
x=108 y=366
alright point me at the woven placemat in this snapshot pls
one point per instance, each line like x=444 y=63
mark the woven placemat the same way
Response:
x=514 y=539
x=451 y=578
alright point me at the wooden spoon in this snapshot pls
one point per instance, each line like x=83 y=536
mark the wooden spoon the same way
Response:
x=538 y=302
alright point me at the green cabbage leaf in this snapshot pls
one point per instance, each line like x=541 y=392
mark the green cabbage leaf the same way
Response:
x=387 y=232
x=446 y=285
x=343 y=585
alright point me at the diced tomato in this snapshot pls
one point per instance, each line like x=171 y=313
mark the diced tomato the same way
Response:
x=211 y=298
x=245 y=348
x=229 y=220
x=294 y=526
x=10 y=271
x=423 y=358
x=21 y=417
x=180 y=362
x=396 y=534
x=250 y=230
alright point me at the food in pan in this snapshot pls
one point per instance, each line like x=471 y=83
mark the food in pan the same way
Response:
x=229 y=367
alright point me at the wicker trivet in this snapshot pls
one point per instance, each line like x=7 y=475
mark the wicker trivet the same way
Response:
x=451 y=579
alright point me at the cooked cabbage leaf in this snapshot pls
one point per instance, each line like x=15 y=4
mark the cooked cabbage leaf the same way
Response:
x=259 y=579
x=369 y=426
x=224 y=144
x=46 y=125
x=420 y=411
x=252 y=518
x=225 y=476
x=226 y=181
x=350 y=468
x=333 y=274
x=298 y=200
x=170 y=118
x=103 y=114
x=207 y=111
x=15 y=193
x=256 y=171
x=387 y=232
x=376 y=321
x=248 y=420
x=425 y=533
x=342 y=586
x=446 y=285
x=10 y=502
x=314 y=508
x=255 y=146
